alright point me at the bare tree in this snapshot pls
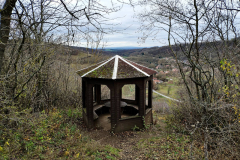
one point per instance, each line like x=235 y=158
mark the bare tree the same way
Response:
x=30 y=33
x=44 y=18
x=206 y=33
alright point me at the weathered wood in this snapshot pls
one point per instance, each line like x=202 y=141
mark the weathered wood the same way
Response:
x=150 y=92
x=115 y=86
x=97 y=106
x=83 y=93
x=115 y=104
x=134 y=106
x=128 y=123
x=95 y=116
x=142 y=98
x=98 y=93
x=148 y=117
x=89 y=104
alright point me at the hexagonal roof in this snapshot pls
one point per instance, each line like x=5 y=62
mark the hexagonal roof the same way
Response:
x=116 y=68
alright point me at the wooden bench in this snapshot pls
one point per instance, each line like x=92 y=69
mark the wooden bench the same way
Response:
x=134 y=106
x=96 y=107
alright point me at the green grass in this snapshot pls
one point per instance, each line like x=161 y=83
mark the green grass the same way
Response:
x=53 y=135
x=128 y=92
x=169 y=90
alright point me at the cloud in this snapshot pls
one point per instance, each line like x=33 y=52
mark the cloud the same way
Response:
x=129 y=33
x=125 y=23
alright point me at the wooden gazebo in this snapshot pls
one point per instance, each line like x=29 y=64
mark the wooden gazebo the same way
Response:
x=115 y=73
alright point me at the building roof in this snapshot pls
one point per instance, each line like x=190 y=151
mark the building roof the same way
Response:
x=116 y=68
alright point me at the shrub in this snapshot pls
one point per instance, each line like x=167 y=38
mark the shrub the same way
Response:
x=217 y=127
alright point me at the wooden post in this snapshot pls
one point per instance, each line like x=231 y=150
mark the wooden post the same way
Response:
x=89 y=104
x=98 y=93
x=142 y=98
x=137 y=94
x=150 y=92
x=83 y=93
x=115 y=104
x=120 y=93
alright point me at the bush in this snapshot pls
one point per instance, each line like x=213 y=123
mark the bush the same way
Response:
x=217 y=127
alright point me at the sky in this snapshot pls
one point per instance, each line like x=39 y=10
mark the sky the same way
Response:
x=130 y=34
x=124 y=21
x=127 y=25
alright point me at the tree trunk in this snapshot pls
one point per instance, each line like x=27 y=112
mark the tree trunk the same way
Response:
x=5 y=13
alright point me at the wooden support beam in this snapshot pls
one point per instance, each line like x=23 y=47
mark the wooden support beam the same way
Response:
x=150 y=92
x=83 y=93
x=115 y=104
x=137 y=94
x=142 y=98
x=89 y=104
x=98 y=93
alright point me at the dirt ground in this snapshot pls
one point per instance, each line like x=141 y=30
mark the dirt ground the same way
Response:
x=156 y=142
x=127 y=141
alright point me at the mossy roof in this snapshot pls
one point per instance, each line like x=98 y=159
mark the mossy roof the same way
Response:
x=116 y=68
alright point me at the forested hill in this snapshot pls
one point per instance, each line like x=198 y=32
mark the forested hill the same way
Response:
x=159 y=52
x=145 y=56
x=154 y=51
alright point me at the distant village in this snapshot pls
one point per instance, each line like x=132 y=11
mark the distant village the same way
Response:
x=167 y=67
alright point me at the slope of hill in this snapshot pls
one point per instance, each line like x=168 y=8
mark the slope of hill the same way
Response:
x=146 y=56
x=124 y=48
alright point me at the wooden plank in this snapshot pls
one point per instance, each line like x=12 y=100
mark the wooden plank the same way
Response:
x=134 y=106
x=96 y=107
x=95 y=116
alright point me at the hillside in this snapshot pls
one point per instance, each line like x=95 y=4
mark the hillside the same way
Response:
x=145 y=56
x=150 y=56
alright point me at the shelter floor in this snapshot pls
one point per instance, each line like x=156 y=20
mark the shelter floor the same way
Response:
x=104 y=122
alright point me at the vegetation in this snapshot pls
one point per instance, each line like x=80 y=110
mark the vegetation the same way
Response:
x=210 y=56
x=40 y=94
x=60 y=133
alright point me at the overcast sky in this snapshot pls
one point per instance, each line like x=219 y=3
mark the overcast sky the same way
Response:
x=131 y=34
x=128 y=26
x=125 y=22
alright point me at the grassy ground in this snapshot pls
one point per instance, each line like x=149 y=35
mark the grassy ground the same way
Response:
x=61 y=134
x=128 y=92
x=170 y=90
